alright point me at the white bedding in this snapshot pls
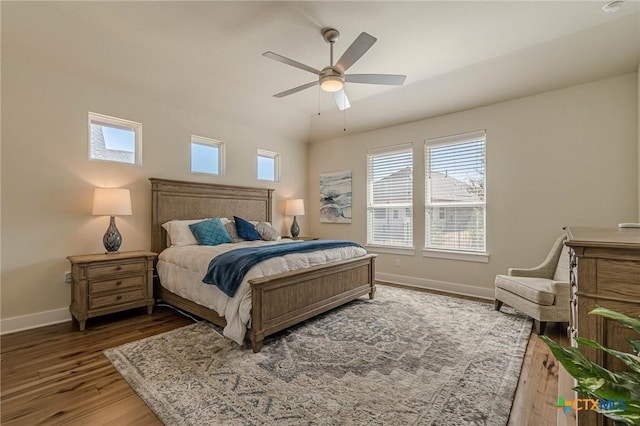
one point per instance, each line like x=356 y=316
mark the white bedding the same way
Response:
x=181 y=270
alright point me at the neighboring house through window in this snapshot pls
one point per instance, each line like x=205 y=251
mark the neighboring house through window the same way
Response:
x=207 y=156
x=390 y=196
x=455 y=199
x=114 y=139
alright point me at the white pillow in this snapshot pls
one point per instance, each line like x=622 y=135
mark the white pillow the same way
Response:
x=179 y=233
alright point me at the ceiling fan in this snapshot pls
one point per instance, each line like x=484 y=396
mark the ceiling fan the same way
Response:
x=332 y=77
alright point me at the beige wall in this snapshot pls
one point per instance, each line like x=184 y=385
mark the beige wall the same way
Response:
x=567 y=157
x=48 y=182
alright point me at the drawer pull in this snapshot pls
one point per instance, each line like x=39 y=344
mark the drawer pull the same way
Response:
x=118 y=282
x=118 y=268
x=119 y=297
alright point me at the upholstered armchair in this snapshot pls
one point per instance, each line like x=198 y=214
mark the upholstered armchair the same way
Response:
x=542 y=292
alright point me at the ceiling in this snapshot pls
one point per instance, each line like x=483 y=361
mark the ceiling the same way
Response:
x=206 y=56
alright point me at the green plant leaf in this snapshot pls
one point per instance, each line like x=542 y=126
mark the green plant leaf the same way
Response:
x=617 y=316
x=631 y=361
x=635 y=345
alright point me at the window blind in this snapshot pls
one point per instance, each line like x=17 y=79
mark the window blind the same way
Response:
x=455 y=206
x=390 y=196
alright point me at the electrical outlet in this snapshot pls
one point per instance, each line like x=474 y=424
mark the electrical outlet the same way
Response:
x=397 y=263
x=67 y=277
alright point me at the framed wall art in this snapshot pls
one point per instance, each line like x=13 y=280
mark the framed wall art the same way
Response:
x=335 y=197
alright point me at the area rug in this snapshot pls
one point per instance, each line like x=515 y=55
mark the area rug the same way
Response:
x=405 y=358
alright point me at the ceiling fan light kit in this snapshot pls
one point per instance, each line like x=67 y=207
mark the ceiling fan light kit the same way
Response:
x=332 y=78
x=331 y=83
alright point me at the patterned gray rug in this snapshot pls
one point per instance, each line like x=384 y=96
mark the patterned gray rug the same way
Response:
x=405 y=358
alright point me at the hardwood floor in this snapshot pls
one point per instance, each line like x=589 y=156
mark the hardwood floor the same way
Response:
x=58 y=375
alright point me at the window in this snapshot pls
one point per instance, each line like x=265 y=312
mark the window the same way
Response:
x=114 y=139
x=455 y=203
x=207 y=156
x=390 y=196
x=268 y=165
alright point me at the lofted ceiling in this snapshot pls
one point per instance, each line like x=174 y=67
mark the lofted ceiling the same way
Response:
x=206 y=56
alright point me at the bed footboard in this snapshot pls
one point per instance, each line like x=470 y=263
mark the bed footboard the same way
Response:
x=280 y=301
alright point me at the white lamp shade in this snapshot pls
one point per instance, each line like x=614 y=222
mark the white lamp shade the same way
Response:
x=294 y=207
x=111 y=202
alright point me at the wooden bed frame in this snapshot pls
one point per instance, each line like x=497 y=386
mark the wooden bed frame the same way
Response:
x=277 y=301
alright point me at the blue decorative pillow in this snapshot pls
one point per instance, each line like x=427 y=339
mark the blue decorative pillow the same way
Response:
x=210 y=232
x=245 y=229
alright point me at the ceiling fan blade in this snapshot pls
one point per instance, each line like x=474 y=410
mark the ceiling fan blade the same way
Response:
x=358 y=48
x=391 y=79
x=341 y=100
x=291 y=62
x=295 y=90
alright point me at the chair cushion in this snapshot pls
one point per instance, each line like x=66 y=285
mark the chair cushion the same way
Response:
x=536 y=290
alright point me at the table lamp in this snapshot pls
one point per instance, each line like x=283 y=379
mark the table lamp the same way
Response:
x=294 y=208
x=112 y=202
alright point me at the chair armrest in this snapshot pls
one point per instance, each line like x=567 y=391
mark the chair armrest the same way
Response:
x=531 y=272
x=561 y=289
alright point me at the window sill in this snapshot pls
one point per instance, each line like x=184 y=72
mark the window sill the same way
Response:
x=456 y=255
x=407 y=251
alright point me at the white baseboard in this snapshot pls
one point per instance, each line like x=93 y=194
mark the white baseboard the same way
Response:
x=26 y=322
x=56 y=316
x=447 y=287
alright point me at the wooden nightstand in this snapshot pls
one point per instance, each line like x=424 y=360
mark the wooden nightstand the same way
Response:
x=106 y=283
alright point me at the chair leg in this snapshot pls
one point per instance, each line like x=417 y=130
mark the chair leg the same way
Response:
x=497 y=304
x=540 y=326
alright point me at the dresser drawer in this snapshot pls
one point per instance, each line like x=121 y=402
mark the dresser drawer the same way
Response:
x=116 y=299
x=619 y=279
x=115 y=268
x=117 y=284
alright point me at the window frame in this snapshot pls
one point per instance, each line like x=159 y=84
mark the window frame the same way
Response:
x=276 y=164
x=456 y=253
x=118 y=123
x=382 y=247
x=209 y=142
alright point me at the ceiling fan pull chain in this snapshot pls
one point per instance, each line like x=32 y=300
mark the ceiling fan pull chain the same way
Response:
x=344 y=118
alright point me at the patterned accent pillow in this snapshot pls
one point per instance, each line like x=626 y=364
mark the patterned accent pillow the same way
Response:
x=233 y=232
x=245 y=229
x=210 y=232
x=267 y=232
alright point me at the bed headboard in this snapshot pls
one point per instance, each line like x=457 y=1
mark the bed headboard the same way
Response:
x=172 y=199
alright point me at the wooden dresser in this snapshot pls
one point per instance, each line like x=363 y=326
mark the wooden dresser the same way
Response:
x=107 y=283
x=605 y=271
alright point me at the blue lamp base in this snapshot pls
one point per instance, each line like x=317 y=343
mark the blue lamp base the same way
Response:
x=295 y=229
x=112 y=238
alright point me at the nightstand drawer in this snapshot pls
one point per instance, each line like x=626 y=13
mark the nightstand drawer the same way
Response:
x=116 y=299
x=101 y=270
x=117 y=284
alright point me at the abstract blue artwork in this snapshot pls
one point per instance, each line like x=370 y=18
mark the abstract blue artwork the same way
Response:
x=335 y=197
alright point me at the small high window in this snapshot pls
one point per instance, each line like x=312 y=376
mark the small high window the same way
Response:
x=268 y=165
x=114 y=139
x=207 y=156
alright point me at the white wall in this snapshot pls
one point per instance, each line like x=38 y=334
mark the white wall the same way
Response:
x=566 y=157
x=48 y=181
